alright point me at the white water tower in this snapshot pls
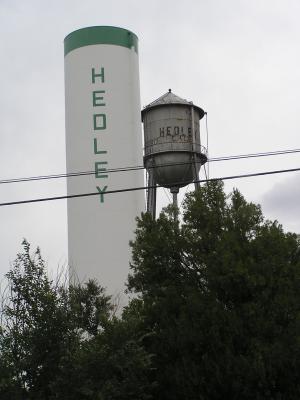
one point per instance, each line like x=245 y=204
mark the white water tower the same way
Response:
x=103 y=133
x=173 y=151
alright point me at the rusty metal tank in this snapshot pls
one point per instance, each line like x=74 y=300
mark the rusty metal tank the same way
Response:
x=173 y=148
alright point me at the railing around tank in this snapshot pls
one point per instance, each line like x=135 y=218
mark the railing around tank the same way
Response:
x=157 y=148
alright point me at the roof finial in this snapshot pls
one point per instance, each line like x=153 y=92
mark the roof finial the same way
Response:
x=170 y=90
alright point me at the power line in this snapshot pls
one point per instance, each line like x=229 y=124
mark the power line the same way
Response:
x=251 y=155
x=141 y=167
x=145 y=187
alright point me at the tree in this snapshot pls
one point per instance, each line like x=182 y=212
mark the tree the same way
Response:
x=60 y=342
x=42 y=325
x=218 y=300
x=216 y=314
x=111 y=366
x=35 y=331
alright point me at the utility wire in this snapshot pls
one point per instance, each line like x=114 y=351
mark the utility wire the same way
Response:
x=251 y=155
x=146 y=187
x=141 y=167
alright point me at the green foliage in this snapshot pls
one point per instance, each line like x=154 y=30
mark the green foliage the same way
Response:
x=90 y=307
x=113 y=365
x=35 y=332
x=216 y=315
x=58 y=342
x=219 y=300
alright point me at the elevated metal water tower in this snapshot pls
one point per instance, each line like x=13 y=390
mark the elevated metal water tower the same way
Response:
x=173 y=152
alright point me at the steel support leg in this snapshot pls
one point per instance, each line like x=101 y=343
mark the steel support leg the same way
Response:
x=151 y=194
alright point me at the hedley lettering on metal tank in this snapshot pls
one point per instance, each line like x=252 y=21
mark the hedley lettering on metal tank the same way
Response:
x=99 y=126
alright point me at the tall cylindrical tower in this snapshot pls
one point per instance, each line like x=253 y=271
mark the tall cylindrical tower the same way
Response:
x=103 y=132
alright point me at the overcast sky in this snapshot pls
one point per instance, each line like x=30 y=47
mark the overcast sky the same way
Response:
x=237 y=59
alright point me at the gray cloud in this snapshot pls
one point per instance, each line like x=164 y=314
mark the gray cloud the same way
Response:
x=282 y=202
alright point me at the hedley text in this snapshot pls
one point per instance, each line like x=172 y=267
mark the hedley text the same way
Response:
x=99 y=128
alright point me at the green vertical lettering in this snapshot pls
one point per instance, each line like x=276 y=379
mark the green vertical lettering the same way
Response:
x=94 y=75
x=96 y=98
x=101 y=192
x=99 y=121
x=96 y=150
x=98 y=170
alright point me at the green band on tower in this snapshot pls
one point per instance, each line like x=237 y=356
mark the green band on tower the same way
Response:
x=100 y=35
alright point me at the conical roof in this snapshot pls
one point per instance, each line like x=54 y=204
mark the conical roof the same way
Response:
x=171 y=98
